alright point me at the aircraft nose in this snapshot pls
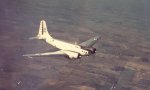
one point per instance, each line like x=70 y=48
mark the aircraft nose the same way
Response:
x=87 y=53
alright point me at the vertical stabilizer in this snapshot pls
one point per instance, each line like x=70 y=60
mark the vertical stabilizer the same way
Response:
x=43 y=32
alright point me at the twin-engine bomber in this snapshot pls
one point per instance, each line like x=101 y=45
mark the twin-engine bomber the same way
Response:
x=72 y=51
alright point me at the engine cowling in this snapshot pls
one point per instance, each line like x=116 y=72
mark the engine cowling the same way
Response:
x=92 y=50
x=72 y=55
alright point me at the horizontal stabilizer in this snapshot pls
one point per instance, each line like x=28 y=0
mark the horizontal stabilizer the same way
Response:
x=32 y=38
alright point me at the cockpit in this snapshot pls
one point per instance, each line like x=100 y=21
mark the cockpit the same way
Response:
x=85 y=52
x=77 y=46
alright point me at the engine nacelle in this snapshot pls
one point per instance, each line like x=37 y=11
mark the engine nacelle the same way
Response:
x=92 y=50
x=72 y=55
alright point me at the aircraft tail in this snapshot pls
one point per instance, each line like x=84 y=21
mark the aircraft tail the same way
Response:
x=43 y=32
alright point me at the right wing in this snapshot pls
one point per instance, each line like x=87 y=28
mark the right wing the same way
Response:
x=45 y=54
x=89 y=43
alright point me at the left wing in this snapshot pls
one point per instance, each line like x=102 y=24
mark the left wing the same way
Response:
x=45 y=54
x=89 y=43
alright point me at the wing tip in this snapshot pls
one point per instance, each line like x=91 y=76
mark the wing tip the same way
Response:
x=27 y=56
x=97 y=37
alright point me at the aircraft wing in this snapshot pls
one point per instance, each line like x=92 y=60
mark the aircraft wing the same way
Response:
x=45 y=54
x=90 y=42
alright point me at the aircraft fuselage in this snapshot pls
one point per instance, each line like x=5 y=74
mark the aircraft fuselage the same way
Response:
x=67 y=46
